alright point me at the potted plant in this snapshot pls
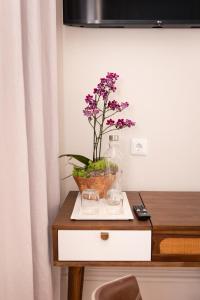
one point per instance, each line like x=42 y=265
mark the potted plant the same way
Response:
x=100 y=112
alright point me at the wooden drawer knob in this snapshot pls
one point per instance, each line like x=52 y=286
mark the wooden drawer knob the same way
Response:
x=104 y=236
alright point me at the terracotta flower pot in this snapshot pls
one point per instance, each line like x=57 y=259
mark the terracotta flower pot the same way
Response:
x=99 y=183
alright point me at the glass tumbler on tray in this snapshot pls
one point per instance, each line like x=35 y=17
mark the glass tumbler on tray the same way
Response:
x=115 y=202
x=90 y=202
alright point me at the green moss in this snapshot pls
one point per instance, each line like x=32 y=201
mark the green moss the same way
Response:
x=79 y=172
x=98 y=168
x=97 y=165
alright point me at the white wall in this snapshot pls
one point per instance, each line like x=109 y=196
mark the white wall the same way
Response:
x=160 y=76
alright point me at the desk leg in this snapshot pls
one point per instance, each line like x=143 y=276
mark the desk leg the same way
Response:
x=75 y=283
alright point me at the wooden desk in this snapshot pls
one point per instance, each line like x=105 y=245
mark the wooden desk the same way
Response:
x=174 y=228
x=175 y=225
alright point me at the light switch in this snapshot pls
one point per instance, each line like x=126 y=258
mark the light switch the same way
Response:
x=138 y=146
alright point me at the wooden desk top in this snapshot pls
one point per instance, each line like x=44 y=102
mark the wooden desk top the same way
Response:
x=63 y=220
x=173 y=210
x=175 y=220
x=169 y=211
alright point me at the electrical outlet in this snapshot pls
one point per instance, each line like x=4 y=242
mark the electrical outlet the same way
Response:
x=139 y=146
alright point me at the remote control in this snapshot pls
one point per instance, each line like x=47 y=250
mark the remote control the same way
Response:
x=141 y=212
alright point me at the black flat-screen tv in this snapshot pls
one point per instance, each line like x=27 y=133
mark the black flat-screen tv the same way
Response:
x=132 y=13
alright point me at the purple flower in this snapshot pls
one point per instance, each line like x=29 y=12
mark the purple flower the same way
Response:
x=110 y=122
x=89 y=98
x=91 y=109
x=92 y=104
x=114 y=105
x=87 y=112
x=105 y=95
x=91 y=112
x=96 y=111
x=129 y=123
x=124 y=105
x=100 y=110
x=121 y=123
x=112 y=76
x=103 y=80
x=106 y=85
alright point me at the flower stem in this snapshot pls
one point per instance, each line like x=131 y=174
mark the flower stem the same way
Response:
x=101 y=129
x=112 y=114
x=111 y=130
x=93 y=143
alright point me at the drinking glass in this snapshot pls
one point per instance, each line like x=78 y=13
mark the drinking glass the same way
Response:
x=114 y=200
x=90 y=202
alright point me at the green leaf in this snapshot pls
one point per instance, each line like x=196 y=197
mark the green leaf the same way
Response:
x=67 y=177
x=84 y=160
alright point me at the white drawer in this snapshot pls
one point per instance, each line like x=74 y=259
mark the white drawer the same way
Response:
x=87 y=245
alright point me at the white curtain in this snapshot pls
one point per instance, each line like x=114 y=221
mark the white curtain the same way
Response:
x=29 y=181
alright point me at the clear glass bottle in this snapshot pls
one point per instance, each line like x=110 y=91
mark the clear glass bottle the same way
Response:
x=113 y=158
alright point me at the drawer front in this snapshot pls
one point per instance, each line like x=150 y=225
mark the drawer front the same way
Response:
x=105 y=245
x=180 y=245
x=176 y=247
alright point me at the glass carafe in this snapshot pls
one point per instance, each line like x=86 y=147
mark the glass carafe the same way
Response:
x=113 y=157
